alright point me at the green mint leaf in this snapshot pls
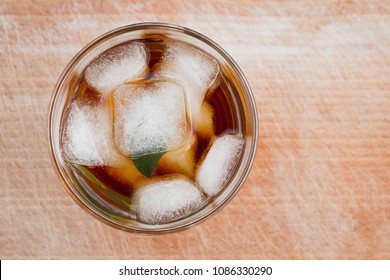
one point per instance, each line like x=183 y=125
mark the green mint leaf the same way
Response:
x=147 y=164
x=121 y=199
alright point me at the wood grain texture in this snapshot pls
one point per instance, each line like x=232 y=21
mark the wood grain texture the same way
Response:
x=320 y=184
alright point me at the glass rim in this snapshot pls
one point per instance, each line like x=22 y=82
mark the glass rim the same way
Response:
x=180 y=224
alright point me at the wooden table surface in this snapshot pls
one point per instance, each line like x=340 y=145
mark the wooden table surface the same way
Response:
x=320 y=185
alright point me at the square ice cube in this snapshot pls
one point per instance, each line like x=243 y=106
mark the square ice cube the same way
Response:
x=149 y=118
x=166 y=200
x=87 y=137
x=124 y=63
x=193 y=69
x=218 y=164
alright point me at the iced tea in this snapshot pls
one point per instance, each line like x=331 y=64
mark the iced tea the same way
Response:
x=153 y=130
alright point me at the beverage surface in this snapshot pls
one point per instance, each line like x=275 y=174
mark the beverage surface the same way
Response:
x=152 y=130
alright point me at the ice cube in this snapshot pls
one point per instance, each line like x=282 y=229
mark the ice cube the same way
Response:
x=87 y=137
x=205 y=125
x=116 y=66
x=149 y=118
x=218 y=164
x=166 y=200
x=181 y=161
x=126 y=173
x=193 y=69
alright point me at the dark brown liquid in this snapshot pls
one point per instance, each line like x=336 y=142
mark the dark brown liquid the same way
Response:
x=221 y=98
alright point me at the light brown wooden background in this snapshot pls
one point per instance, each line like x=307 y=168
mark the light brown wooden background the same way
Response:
x=320 y=185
